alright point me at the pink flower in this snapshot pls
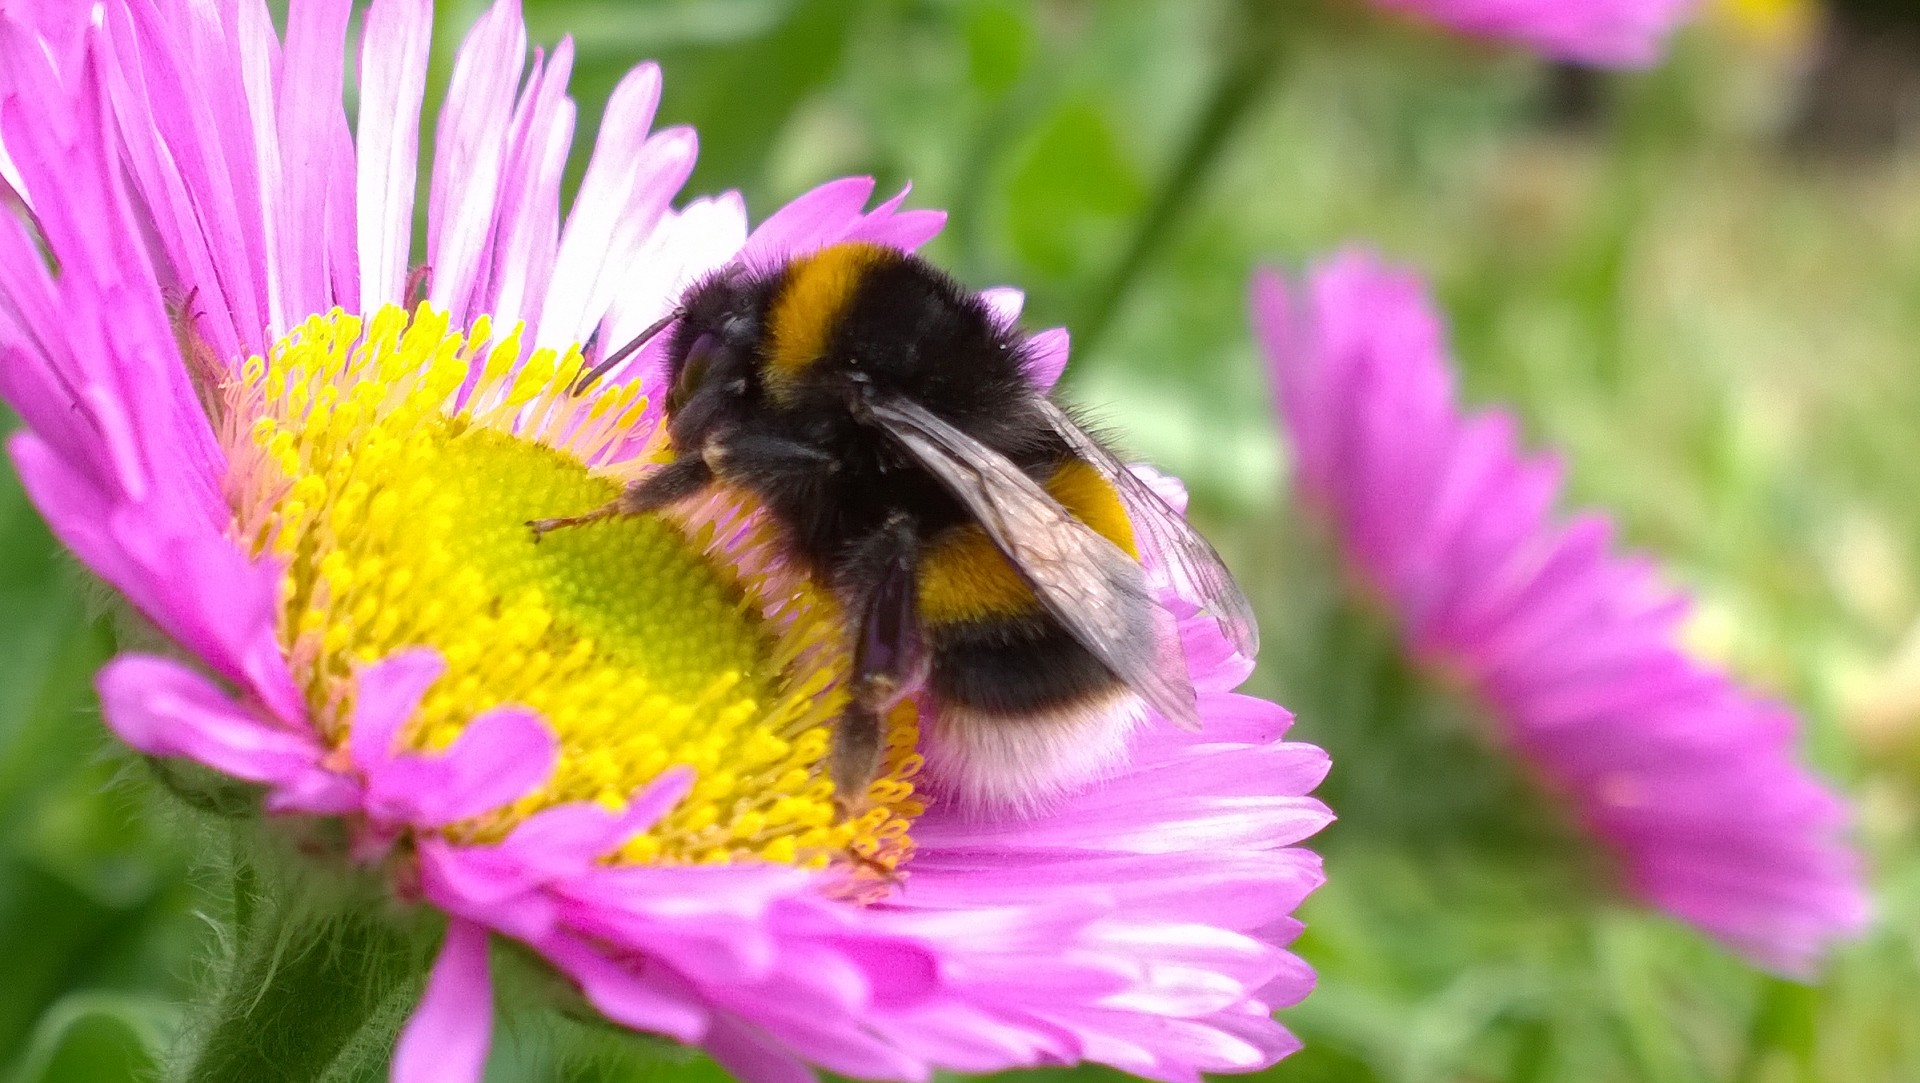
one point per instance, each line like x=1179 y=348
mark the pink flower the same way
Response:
x=1612 y=33
x=1690 y=782
x=606 y=747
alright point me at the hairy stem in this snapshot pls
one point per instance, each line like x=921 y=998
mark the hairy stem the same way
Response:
x=301 y=994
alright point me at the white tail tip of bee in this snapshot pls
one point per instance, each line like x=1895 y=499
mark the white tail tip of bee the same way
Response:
x=1024 y=764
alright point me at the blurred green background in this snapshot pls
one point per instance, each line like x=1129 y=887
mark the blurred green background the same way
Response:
x=1702 y=281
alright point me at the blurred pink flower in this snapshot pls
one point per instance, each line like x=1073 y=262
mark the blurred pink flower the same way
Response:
x=1611 y=33
x=591 y=746
x=1690 y=782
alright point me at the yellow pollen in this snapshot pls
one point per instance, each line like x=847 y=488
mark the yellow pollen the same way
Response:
x=393 y=465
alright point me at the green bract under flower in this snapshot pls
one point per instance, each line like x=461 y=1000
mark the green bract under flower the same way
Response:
x=644 y=643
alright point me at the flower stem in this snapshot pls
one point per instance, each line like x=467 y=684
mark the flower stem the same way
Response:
x=1785 y=1026
x=1256 y=44
x=303 y=994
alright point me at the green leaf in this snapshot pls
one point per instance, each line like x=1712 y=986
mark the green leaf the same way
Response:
x=91 y=1037
x=1000 y=42
x=1071 y=191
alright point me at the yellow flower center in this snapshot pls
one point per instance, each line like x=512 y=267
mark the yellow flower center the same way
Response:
x=393 y=465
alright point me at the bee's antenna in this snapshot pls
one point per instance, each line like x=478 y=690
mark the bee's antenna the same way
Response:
x=624 y=352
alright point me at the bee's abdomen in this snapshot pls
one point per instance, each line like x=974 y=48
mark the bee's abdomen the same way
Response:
x=995 y=648
x=1014 y=666
x=1024 y=711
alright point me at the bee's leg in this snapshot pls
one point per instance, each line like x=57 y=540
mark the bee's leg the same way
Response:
x=749 y=458
x=855 y=756
x=670 y=484
x=889 y=656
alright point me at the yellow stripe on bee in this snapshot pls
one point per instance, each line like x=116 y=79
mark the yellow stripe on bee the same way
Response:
x=816 y=293
x=1092 y=499
x=964 y=576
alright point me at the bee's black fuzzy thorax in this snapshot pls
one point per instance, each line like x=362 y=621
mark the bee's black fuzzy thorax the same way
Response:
x=898 y=326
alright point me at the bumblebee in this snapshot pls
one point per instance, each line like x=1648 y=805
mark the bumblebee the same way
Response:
x=987 y=550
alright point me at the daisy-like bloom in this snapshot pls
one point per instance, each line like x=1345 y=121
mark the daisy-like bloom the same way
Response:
x=608 y=746
x=1687 y=781
x=1610 y=33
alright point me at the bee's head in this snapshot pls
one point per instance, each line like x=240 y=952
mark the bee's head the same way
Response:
x=711 y=358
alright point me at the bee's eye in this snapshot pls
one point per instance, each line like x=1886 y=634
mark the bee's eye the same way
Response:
x=693 y=372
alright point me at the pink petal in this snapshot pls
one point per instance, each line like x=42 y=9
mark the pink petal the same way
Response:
x=259 y=64
x=446 y=1038
x=165 y=709
x=1004 y=304
x=551 y=846
x=687 y=246
x=470 y=145
x=184 y=204
x=499 y=757
x=1617 y=33
x=166 y=572
x=1046 y=357
x=385 y=696
x=624 y=196
x=529 y=204
x=649 y=1001
x=751 y=1057
x=315 y=204
x=819 y=217
x=393 y=81
x=890 y=226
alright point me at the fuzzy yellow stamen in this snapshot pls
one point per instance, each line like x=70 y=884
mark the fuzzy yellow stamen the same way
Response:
x=394 y=465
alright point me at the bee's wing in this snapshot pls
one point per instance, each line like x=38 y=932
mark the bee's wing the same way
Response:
x=1091 y=586
x=1195 y=570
